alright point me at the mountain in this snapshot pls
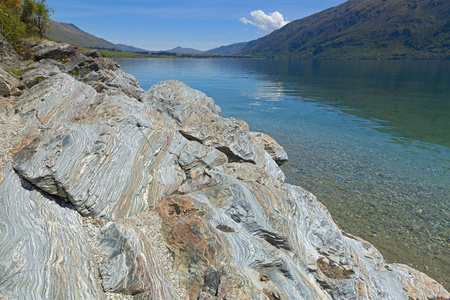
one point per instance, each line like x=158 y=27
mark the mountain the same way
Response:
x=185 y=50
x=227 y=50
x=364 y=29
x=131 y=48
x=69 y=33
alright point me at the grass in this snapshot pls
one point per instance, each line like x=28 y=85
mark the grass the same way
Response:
x=18 y=73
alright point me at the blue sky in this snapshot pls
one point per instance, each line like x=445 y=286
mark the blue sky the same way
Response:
x=199 y=24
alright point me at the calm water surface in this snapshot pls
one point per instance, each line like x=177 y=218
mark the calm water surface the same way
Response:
x=371 y=139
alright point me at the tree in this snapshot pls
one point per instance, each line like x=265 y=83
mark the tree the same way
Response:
x=27 y=13
x=42 y=17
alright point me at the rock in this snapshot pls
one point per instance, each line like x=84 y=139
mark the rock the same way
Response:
x=131 y=267
x=48 y=61
x=199 y=119
x=8 y=81
x=271 y=146
x=91 y=53
x=53 y=50
x=39 y=72
x=8 y=55
x=44 y=253
x=5 y=89
x=113 y=80
x=79 y=63
x=101 y=154
x=196 y=156
x=243 y=220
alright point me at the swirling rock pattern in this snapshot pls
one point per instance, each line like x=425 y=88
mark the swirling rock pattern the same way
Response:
x=94 y=144
x=108 y=156
x=131 y=267
x=199 y=119
x=44 y=253
x=282 y=241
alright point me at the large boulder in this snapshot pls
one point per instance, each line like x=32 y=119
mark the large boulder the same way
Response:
x=110 y=157
x=199 y=119
x=53 y=50
x=240 y=226
x=44 y=253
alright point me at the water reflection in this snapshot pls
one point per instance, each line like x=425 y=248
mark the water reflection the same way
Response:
x=409 y=99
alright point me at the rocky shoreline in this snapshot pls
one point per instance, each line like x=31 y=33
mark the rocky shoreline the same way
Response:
x=108 y=191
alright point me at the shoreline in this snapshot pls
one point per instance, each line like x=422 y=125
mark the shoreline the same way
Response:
x=215 y=198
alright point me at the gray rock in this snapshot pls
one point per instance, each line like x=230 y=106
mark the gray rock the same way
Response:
x=101 y=154
x=38 y=73
x=278 y=239
x=196 y=156
x=8 y=55
x=131 y=267
x=91 y=53
x=48 y=61
x=199 y=119
x=44 y=253
x=113 y=81
x=53 y=50
x=5 y=89
x=79 y=62
x=8 y=81
x=271 y=146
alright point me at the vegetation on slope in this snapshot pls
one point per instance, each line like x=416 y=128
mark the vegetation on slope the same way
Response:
x=364 y=29
x=24 y=19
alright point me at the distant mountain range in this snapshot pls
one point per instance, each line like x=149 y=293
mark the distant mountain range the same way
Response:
x=131 y=48
x=69 y=33
x=356 y=29
x=364 y=29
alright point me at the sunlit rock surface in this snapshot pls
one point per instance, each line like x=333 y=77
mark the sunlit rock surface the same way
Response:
x=44 y=253
x=280 y=239
x=131 y=267
x=109 y=156
x=199 y=119
x=92 y=143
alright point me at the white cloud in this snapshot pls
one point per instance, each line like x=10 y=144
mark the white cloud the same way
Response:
x=265 y=22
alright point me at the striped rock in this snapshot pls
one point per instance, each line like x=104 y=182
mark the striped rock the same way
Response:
x=199 y=119
x=111 y=157
x=131 y=267
x=44 y=253
x=277 y=240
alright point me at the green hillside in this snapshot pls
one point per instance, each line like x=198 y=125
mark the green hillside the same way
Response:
x=69 y=33
x=364 y=29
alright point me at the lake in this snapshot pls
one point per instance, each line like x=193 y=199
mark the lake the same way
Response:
x=371 y=139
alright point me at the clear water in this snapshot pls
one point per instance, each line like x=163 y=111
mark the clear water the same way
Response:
x=371 y=139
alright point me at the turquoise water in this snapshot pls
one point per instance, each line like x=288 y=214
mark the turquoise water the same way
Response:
x=371 y=139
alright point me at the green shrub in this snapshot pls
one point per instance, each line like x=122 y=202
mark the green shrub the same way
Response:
x=11 y=26
x=105 y=54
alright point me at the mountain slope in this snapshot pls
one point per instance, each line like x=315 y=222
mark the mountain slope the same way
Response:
x=364 y=29
x=227 y=50
x=69 y=33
